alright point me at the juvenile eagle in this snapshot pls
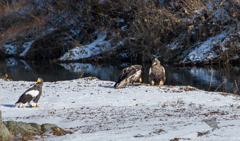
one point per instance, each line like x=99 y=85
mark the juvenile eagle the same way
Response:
x=157 y=73
x=31 y=96
x=129 y=75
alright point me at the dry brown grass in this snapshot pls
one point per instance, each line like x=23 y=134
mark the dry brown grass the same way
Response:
x=13 y=25
x=149 y=25
x=6 y=8
x=15 y=31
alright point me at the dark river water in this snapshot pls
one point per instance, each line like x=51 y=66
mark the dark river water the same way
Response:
x=219 y=79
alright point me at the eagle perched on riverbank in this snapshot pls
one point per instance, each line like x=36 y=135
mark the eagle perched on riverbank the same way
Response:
x=129 y=75
x=157 y=73
x=31 y=96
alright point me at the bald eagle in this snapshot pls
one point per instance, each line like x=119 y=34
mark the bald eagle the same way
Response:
x=129 y=75
x=157 y=73
x=31 y=96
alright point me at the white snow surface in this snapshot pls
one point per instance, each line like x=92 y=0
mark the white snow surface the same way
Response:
x=93 y=110
x=86 y=51
x=10 y=49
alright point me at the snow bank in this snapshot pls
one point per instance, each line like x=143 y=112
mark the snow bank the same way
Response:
x=96 y=47
x=94 y=110
x=206 y=51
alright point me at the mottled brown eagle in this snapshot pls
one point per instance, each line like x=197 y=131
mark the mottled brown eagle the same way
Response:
x=157 y=73
x=129 y=75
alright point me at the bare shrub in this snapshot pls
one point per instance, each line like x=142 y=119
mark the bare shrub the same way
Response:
x=204 y=19
x=147 y=28
x=48 y=47
x=8 y=7
x=153 y=28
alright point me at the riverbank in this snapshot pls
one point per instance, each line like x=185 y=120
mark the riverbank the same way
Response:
x=185 y=33
x=93 y=110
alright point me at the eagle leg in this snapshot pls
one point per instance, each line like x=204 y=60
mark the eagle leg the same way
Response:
x=17 y=105
x=35 y=107
x=160 y=83
x=132 y=84
x=152 y=83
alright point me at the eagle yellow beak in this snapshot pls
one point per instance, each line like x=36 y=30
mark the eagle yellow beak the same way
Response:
x=154 y=64
x=38 y=80
x=140 y=79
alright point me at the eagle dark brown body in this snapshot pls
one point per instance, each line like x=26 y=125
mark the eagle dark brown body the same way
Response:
x=157 y=73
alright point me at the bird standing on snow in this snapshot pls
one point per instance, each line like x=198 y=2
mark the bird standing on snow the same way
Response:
x=129 y=75
x=31 y=96
x=157 y=73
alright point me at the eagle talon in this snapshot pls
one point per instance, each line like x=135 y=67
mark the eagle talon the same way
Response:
x=35 y=107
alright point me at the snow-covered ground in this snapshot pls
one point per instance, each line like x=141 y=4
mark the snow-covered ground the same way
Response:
x=94 y=110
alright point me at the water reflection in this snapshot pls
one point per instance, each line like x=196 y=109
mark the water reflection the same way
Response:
x=21 y=70
x=202 y=78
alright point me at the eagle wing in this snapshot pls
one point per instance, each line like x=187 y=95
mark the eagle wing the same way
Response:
x=33 y=93
x=28 y=95
x=127 y=72
x=24 y=98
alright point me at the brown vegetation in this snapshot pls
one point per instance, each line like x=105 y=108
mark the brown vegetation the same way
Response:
x=7 y=7
x=16 y=30
x=48 y=47
x=146 y=27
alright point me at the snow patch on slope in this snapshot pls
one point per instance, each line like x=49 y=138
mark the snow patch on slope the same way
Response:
x=10 y=49
x=86 y=51
x=205 y=51
x=27 y=46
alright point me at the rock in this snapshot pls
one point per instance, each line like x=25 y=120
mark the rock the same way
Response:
x=27 y=131
x=26 y=136
x=47 y=126
x=36 y=126
x=57 y=131
x=4 y=133
x=20 y=127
